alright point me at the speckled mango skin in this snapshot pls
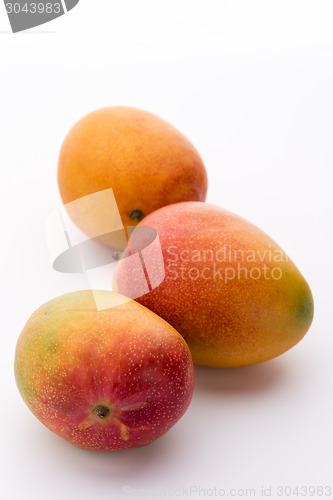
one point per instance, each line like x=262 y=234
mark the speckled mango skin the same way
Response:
x=144 y=159
x=226 y=324
x=71 y=358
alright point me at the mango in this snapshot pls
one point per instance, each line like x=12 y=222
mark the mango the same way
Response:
x=103 y=379
x=144 y=159
x=229 y=289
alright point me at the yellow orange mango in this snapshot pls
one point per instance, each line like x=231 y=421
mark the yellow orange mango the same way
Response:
x=144 y=159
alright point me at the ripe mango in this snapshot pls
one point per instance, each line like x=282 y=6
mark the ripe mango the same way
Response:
x=229 y=289
x=144 y=159
x=105 y=379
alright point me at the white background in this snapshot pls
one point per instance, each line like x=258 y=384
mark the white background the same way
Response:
x=250 y=83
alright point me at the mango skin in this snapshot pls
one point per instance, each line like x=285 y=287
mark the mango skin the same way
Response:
x=231 y=323
x=71 y=359
x=144 y=159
